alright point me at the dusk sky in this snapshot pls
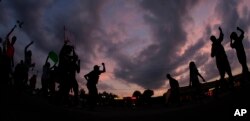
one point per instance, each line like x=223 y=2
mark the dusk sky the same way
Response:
x=140 y=41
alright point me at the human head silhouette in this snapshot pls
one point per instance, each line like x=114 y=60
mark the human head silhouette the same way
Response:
x=168 y=76
x=213 y=38
x=233 y=35
x=192 y=65
x=96 y=68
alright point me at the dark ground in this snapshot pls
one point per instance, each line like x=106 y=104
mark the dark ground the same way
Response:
x=21 y=106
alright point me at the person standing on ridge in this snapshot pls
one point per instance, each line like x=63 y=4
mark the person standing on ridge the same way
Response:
x=222 y=62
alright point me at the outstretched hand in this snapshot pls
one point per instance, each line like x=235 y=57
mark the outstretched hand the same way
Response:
x=103 y=64
x=238 y=28
x=220 y=28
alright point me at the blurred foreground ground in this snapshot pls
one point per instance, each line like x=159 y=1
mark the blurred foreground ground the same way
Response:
x=21 y=106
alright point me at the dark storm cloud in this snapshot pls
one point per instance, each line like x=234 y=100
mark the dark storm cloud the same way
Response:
x=194 y=53
x=32 y=13
x=3 y=13
x=227 y=10
x=44 y=21
x=166 y=19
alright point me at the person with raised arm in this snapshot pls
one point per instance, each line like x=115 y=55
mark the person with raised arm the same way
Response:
x=92 y=79
x=236 y=43
x=222 y=62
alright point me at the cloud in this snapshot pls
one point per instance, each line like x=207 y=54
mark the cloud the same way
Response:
x=143 y=40
x=44 y=21
x=231 y=17
x=166 y=19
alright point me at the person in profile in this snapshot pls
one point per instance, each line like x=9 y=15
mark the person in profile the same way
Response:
x=238 y=46
x=174 y=90
x=92 y=79
x=194 y=80
x=222 y=62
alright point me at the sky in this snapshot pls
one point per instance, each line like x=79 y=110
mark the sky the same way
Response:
x=140 y=41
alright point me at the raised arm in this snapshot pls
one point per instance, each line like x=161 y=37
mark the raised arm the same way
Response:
x=221 y=35
x=242 y=32
x=104 y=69
x=86 y=77
x=201 y=77
x=8 y=35
x=26 y=48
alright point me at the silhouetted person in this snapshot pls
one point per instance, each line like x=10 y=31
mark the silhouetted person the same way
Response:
x=174 y=90
x=63 y=70
x=5 y=68
x=7 y=57
x=238 y=46
x=28 y=56
x=222 y=62
x=27 y=61
x=194 y=80
x=74 y=66
x=10 y=46
x=92 y=79
x=45 y=78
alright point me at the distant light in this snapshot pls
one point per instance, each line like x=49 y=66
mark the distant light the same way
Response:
x=118 y=98
x=133 y=98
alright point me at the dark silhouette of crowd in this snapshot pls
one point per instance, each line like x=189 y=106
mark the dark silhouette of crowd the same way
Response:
x=218 y=52
x=62 y=69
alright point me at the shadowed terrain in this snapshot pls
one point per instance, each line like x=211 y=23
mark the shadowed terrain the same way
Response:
x=19 y=106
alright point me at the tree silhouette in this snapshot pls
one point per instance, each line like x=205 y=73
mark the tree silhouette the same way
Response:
x=137 y=94
x=146 y=96
x=148 y=93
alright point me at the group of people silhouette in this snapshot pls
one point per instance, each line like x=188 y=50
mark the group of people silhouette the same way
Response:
x=60 y=68
x=67 y=64
x=218 y=52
